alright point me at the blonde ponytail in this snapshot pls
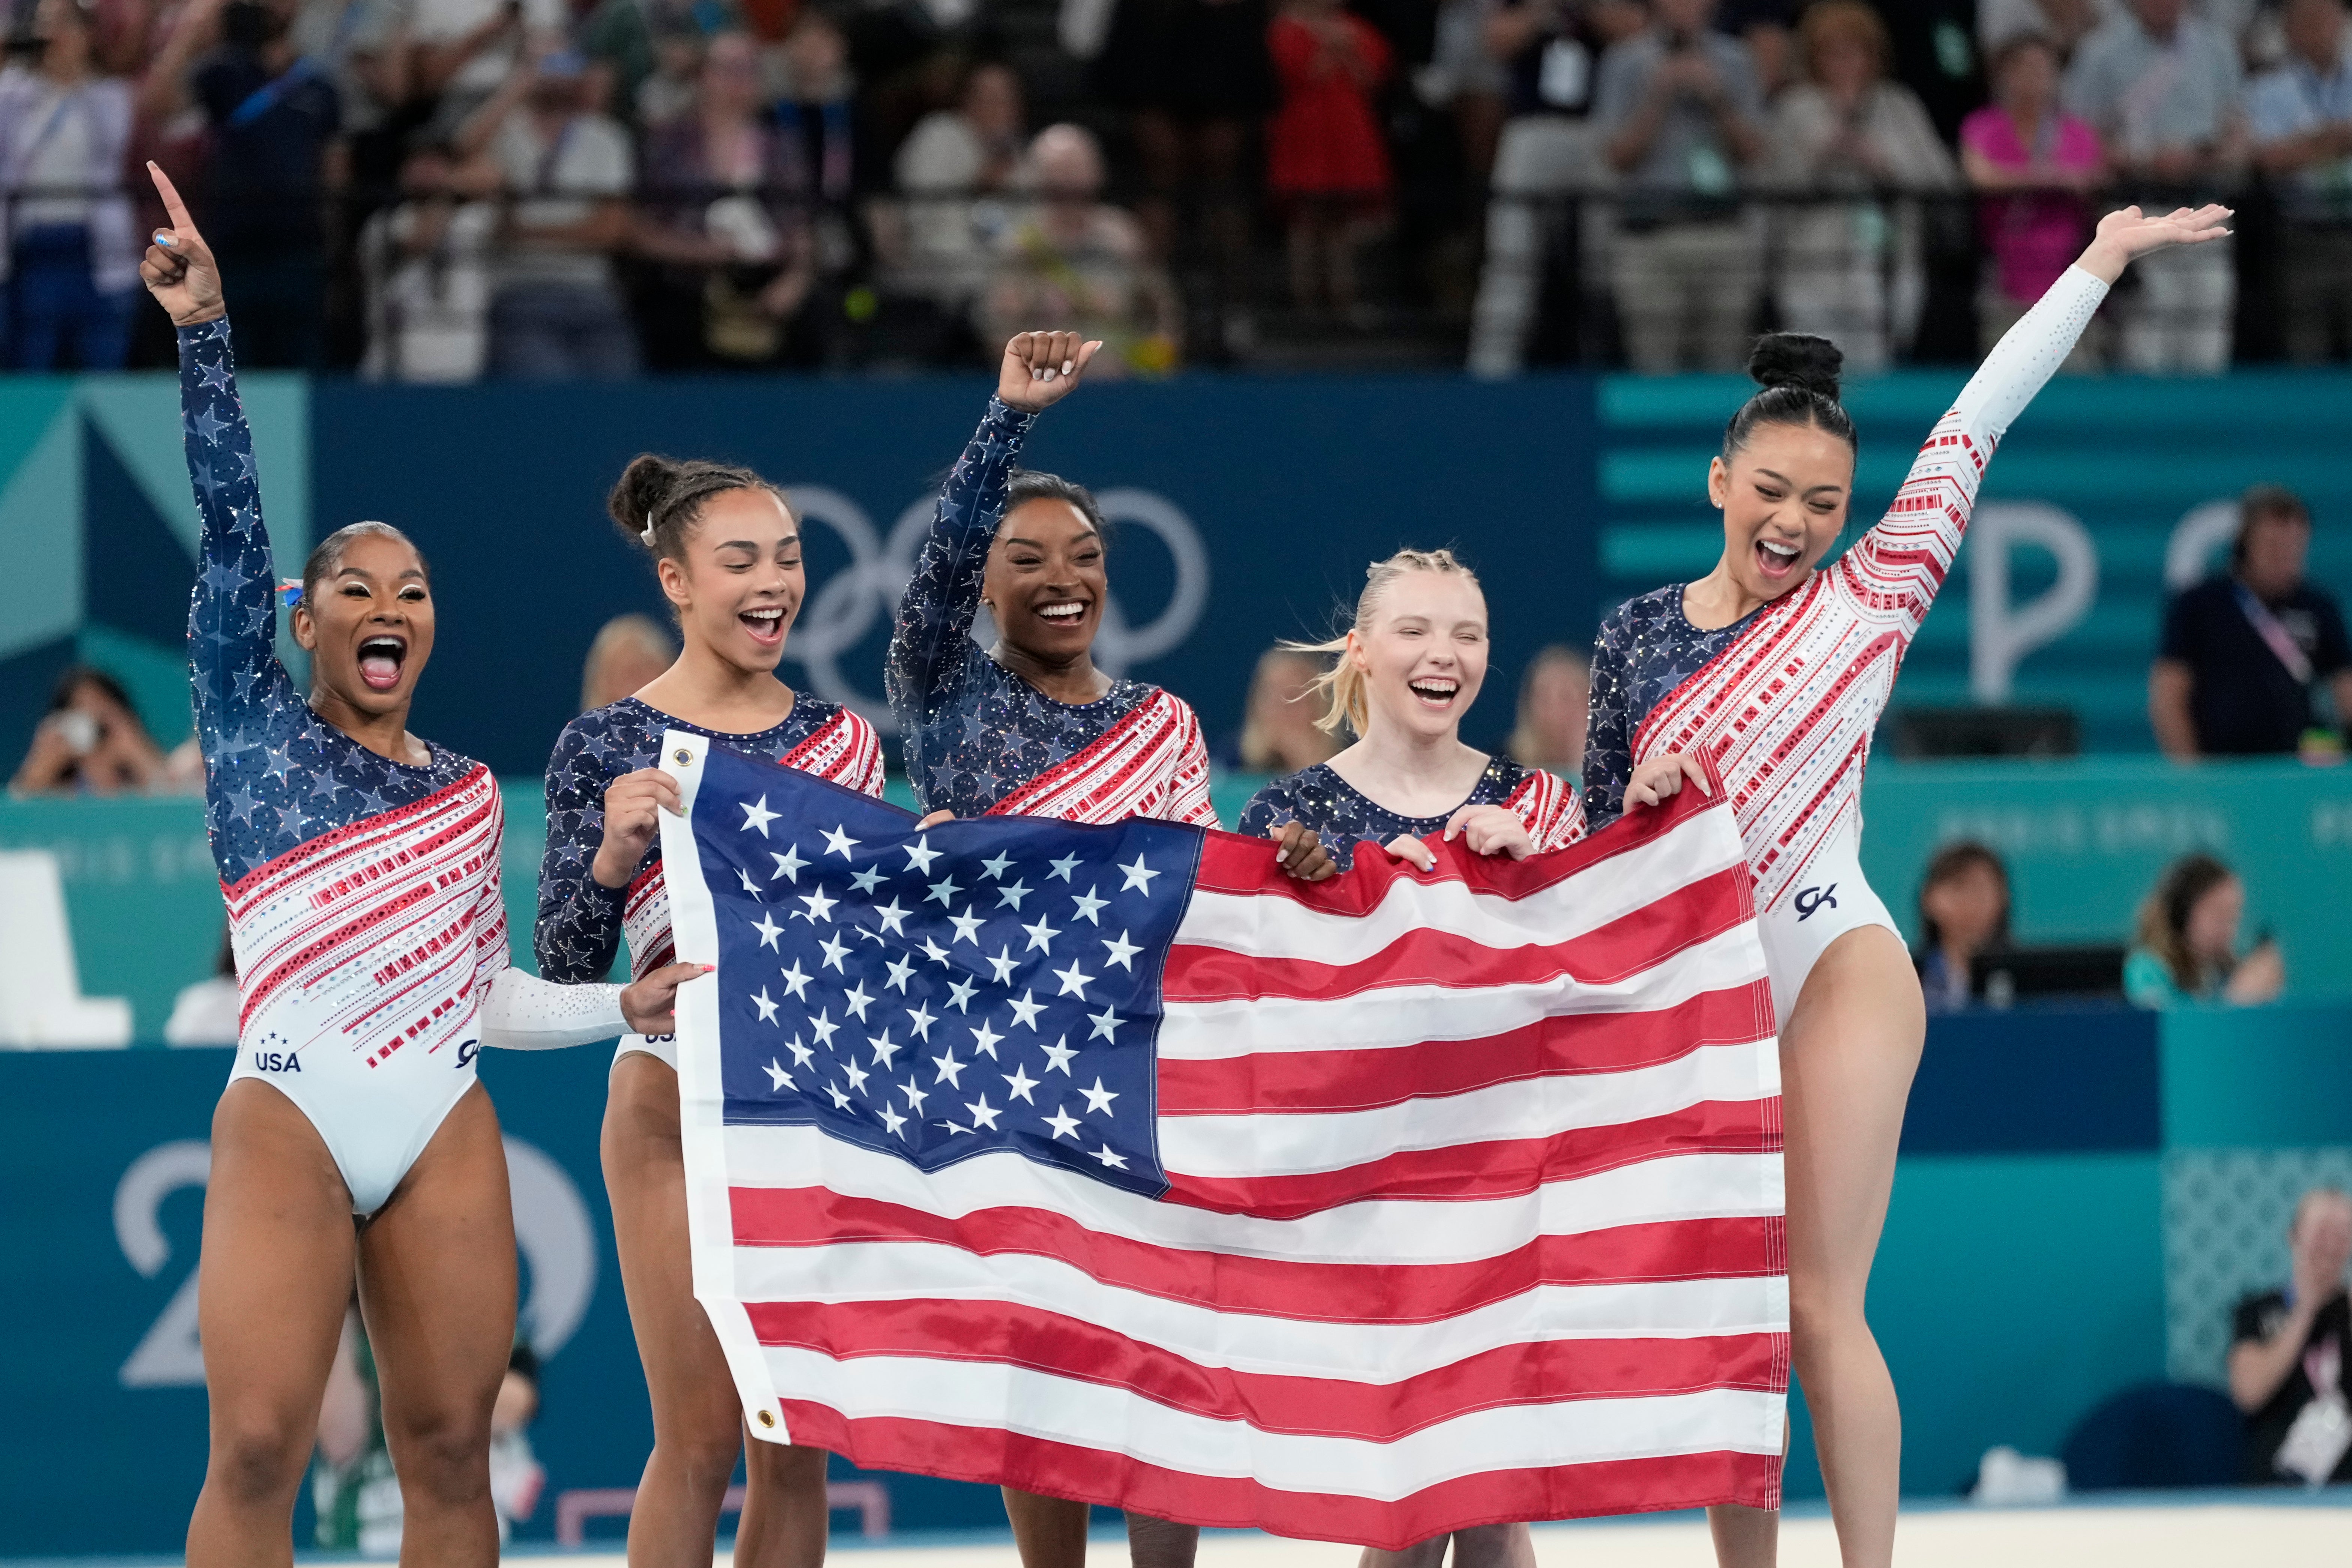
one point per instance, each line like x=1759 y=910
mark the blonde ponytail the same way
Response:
x=1341 y=686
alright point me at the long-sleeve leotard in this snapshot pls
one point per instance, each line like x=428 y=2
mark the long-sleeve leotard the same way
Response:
x=363 y=892
x=581 y=920
x=1784 y=700
x=981 y=740
x=1343 y=817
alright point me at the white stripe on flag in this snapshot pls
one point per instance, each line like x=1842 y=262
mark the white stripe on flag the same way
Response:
x=1066 y=1410
x=1672 y=1187
x=1277 y=928
x=1374 y=1352
x=1415 y=1015
x=1282 y=1143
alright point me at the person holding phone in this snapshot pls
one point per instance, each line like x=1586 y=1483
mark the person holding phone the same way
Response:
x=91 y=743
x=2186 y=950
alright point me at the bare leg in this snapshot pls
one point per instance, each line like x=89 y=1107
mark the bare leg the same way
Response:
x=1847 y=1057
x=1051 y=1531
x=437 y=1269
x=697 y=1418
x=1160 y=1542
x=272 y=1286
x=1481 y=1546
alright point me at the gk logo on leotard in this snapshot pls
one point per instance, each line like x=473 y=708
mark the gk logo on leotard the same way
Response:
x=1812 y=899
x=858 y=599
x=466 y=1051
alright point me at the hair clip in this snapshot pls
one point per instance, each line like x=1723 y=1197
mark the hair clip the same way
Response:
x=648 y=534
x=289 y=593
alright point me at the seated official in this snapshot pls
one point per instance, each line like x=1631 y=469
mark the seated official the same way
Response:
x=2291 y=1355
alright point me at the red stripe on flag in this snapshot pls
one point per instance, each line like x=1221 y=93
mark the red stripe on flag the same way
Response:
x=1717 y=1248
x=1006 y=1334
x=1562 y=1044
x=1495 y=1170
x=1232 y=864
x=1635 y=941
x=1093 y=1475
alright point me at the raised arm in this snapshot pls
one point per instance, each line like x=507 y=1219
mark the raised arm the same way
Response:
x=233 y=613
x=1896 y=567
x=1609 y=724
x=929 y=641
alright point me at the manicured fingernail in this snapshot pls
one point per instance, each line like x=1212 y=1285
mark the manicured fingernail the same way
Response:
x=708 y=968
x=166 y=240
x=1069 y=365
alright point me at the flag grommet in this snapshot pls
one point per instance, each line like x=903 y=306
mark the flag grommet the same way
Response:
x=682 y=757
x=766 y=1418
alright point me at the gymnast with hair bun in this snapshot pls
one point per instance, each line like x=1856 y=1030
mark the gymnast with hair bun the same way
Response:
x=1776 y=669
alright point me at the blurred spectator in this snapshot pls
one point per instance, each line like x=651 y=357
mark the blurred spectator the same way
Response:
x=813 y=93
x=1963 y=912
x=2035 y=165
x=1554 y=706
x=90 y=743
x=1077 y=260
x=1326 y=166
x=1550 y=52
x=2186 y=949
x=2065 y=23
x=2291 y=1354
x=1768 y=29
x=1679 y=105
x=425 y=264
x=628 y=652
x=726 y=215
x=954 y=173
x=2300 y=118
x=653 y=48
x=556 y=311
x=207 y=1013
x=1853 y=271
x=465 y=49
x=516 y=1477
x=72 y=259
x=274 y=118
x=1197 y=81
x=1279 y=733
x=2162 y=90
x=2243 y=653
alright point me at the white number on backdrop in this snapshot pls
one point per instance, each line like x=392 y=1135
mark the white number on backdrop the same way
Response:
x=551 y=1228
x=849 y=603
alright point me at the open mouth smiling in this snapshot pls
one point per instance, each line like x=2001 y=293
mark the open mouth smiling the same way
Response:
x=380 y=657
x=1434 y=691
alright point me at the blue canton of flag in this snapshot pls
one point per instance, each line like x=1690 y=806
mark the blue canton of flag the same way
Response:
x=987 y=985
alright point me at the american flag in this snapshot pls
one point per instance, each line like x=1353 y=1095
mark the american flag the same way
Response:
x=1109 y=1163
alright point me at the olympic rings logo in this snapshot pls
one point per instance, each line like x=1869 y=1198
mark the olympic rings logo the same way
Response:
x=856 y=601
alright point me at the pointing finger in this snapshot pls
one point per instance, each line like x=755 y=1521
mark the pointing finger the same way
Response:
x=172 y=204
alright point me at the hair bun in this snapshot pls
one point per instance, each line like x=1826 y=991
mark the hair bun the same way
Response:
x=641 y=491
x=1801 y=360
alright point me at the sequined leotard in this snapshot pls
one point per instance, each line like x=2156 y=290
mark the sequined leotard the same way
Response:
x=1343 y=817
x=581 y=920
x=1783 y=703
x=979 y=739
x=363 y=896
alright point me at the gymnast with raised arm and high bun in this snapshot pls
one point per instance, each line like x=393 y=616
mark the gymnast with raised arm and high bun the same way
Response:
x=1776 y=669
x=726 y=549
x=361 y=867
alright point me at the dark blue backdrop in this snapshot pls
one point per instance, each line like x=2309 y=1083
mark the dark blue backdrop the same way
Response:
x=1292 y=486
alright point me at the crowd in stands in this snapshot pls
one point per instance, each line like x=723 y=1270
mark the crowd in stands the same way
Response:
x=437 y=190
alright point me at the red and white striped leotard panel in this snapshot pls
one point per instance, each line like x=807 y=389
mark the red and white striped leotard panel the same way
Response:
x=1786 y=711
x=1153 y=762
x=845 y=752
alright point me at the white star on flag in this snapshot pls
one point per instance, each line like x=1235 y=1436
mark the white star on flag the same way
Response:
x=1040 y=935
x=802 y=1054
x=820 y=907
x=960 y=994
x=1137 y=877
x=892 y=915
x=892 y=1120
x=1018 y=1083
x=1090 y=907
x=966 y=926
x=984 y=1039
x=835 y=951
x=1058 y=1055
x=824 y=1028
x=796 y=981
x=983 y=1113
x=757 y=815
x=1122 y=953
x=1110 y=1158
x=1074 y=980
x=768 y=929
x=995 y=868
x=885 y=1048
x=767 y=1007
x=920 y=855
x=1065 y=867
x=779 y=1080
x=1104 y=1022
x=1004 y=963
x=839 y=842
x=788 y=865
x=1098 y=1097
x=950 y=1070
x=858 y=1001
x=902 y=970
x=1011 y=894
x=750 y=886
x=868 y=879
x=857 y=1076
x=920 y=1020
x=1064 y=1124
x=915 y=1097
x=1025 y=1010
x=942 y=890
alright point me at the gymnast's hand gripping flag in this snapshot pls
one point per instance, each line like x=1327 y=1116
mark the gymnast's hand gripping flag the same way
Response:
x=1109 y=1163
